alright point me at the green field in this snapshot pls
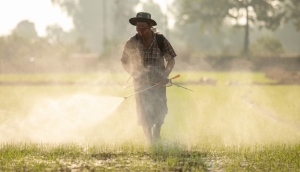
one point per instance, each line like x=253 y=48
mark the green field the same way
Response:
x=77 y=122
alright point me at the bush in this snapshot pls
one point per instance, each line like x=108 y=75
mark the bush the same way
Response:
x=267 y=46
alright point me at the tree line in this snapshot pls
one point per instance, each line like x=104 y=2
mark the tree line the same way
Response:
x=213 y=18
x=218 y=27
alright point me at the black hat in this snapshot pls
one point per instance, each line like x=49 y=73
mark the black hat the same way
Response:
x=142 y=17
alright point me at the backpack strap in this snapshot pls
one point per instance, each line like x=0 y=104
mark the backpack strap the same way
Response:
x=160 y=42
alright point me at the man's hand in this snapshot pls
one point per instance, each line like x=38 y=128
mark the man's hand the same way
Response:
x=164 y=81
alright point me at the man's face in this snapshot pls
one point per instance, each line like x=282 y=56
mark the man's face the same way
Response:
x=142 y=28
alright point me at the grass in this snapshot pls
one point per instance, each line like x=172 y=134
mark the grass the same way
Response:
x=160 y=156
x=224 y=127
x=224 y=77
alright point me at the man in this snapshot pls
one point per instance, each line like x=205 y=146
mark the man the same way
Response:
x=144 y=59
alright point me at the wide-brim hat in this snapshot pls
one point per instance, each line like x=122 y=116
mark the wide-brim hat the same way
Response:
x=142 y=17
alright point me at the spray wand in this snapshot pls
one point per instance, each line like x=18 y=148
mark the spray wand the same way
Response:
x=169 y=84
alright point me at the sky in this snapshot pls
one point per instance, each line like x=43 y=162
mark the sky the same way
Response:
x=41 y=12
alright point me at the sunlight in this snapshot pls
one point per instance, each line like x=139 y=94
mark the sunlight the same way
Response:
x=42 y=13
x=164 y=8
x=162 y=3
x=242 y=16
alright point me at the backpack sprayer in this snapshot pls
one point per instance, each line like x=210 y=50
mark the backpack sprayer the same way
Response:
x=169 y=84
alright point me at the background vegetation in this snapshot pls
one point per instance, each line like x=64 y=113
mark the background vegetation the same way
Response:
x=269 y=30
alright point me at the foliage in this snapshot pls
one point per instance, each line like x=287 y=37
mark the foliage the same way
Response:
x=265 y=13
x=294 y=13
x=289 y=37
x=267 y=46
x=23 y=49
x=55 y=33
x=215 y=12
x=15 y=47
x=95 y=23
x=193 y=41
x=26 y=29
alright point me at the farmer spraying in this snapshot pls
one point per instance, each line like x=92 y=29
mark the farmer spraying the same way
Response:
x=144 y=59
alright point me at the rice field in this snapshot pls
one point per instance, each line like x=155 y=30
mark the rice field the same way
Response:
x=79 y=122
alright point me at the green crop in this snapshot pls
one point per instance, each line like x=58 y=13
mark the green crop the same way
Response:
x=234 y=125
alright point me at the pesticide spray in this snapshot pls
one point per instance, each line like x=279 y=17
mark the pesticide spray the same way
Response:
x=66 y=119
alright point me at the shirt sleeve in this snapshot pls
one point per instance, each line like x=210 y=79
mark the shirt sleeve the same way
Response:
x=125 y=56
x=169 y=52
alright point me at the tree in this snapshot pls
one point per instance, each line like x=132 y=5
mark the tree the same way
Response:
x=293 y=7
x=26 y=29
x=289 y=37
x=54 y=33
x=264 y=13
x=94 y=23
